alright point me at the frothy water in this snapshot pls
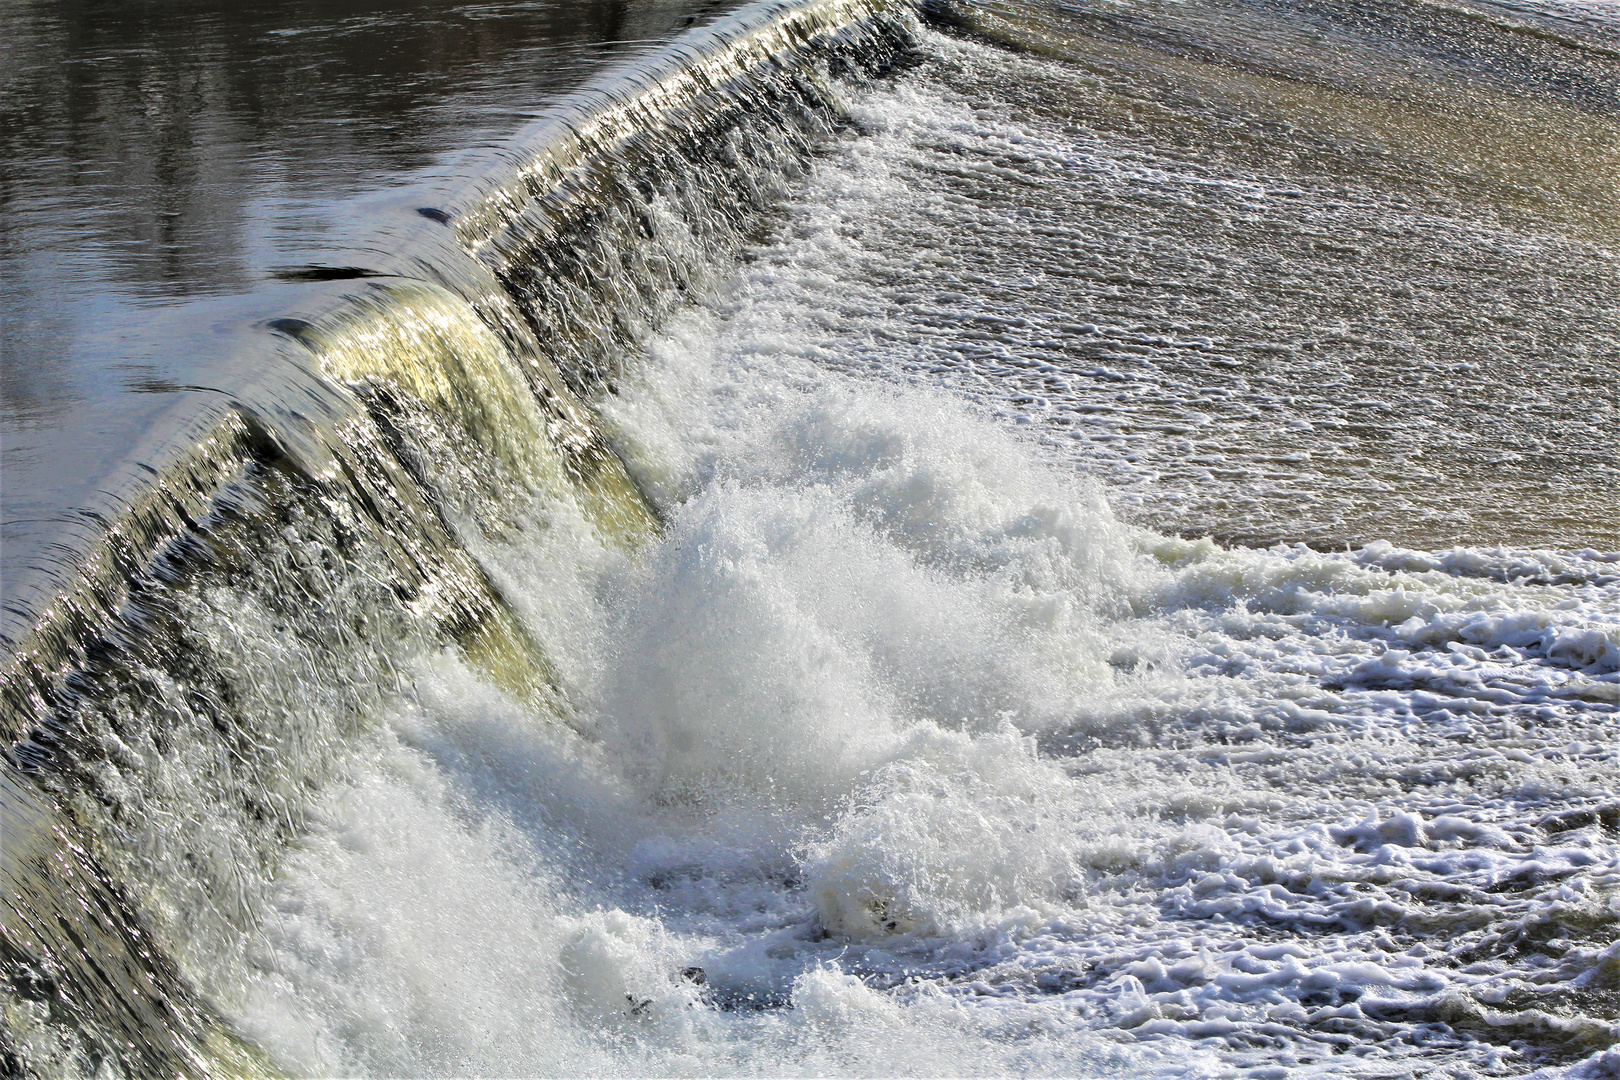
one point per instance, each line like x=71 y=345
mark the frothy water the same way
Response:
x=1302 y=306
x=898 y=737
x=916 y=739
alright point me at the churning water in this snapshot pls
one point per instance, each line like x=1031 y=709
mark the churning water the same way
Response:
x=1041 y=538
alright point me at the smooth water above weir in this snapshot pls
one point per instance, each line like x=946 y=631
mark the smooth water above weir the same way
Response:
x=160 y=154
x=850 y=538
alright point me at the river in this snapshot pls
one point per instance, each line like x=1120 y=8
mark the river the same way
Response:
x=812 y=538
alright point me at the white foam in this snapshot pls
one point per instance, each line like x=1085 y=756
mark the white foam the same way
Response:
x=898 y=753
x=832 y=717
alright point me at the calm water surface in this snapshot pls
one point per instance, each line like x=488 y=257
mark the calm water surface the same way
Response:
x=160 y=153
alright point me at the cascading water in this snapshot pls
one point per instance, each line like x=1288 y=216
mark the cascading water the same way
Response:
x=657 y=611
x=202 y=669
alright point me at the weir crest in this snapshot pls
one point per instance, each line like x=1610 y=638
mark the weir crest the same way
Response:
x=182 y=670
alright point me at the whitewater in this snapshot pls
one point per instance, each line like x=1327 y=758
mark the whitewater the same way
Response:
x=1026 y=670
x=899 y=753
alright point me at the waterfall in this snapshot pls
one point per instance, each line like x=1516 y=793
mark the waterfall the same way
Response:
x=182 y=669
x=939 y=538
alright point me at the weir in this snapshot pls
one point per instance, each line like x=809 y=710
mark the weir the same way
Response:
x=184 y=661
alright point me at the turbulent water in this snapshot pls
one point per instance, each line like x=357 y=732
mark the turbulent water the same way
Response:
x=1040 y=538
